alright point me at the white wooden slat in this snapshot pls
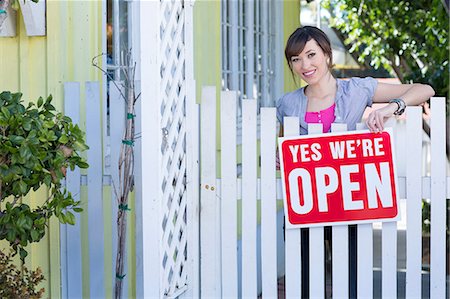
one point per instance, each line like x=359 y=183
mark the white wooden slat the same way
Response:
x=340 y=271
x=73 y=232
x=293 y=244
x=389 y=260
x=228 y=194
x=389 y=246
x=316 y=247
x=193 y=156
x=95 y=190
x=438 y=199
x=117 y=127
x=268 y=204
x=151 y=139
x=209 y=230
x=249 y=176
x=414 y=202
x=364 y=254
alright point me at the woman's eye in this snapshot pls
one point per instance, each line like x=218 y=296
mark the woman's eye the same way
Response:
x=294 y=59
x=311 y=55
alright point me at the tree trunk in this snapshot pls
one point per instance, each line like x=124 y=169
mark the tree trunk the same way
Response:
x=120 y=258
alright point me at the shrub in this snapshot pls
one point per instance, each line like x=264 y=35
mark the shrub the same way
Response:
x=15 y=283
x=37 y=145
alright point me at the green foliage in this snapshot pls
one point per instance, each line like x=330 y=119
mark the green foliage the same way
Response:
x=15 y=283
x=37 y=145
x=408 y=38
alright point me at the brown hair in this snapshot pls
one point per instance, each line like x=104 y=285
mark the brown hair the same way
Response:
x=298 y=39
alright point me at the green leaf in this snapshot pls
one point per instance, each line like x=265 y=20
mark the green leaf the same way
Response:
x=70 y=218
x=40 y=102
x=23 y=187
x=39 y=221
x=5 y=112
x=34 y=235
x=63 y=139
x=23 y=254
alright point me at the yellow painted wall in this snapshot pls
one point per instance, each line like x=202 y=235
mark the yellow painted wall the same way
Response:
x=207 y=45
x=39 y=66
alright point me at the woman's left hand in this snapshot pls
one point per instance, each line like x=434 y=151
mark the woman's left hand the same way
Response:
x=375 y=121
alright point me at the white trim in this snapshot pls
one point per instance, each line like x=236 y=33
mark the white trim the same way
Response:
x=151 y=140
x=193 y=159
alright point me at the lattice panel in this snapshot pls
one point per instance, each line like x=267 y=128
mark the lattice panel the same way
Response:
x=173 y=148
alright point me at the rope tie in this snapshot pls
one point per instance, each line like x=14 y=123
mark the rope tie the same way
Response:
x=123 y=207
x=120 y=276
x=128 y=142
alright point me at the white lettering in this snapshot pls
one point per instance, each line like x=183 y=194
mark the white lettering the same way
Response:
x=304 y=153
x=294 y=191
x=337 y=149
x=380 y=185
x=294 y=152
x=348 y=186
x=322 y=188
x=317 y=156
x=351 y=149
x=367 y=148
x=378 y=146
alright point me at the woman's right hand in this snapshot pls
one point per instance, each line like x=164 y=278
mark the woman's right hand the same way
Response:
x=377 y=118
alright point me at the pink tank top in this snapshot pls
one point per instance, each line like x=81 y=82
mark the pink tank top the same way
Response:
x=325 y=117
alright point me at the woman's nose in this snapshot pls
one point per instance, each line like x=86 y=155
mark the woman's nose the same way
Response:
x=304 y=64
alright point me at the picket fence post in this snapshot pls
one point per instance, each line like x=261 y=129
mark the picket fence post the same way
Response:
x=293 y=236
x=438 y=199
x=249 y=180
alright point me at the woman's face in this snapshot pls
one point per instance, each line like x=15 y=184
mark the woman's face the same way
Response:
x=311 y=64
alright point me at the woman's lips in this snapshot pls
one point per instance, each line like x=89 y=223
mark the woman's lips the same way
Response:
x=309 y=73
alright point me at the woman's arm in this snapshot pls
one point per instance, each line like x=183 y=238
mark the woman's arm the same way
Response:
x=411 y=94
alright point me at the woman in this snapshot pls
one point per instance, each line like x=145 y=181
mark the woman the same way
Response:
x=326 y=99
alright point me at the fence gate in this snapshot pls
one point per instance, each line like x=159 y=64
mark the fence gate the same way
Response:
x=168 y=222
x=245 y=253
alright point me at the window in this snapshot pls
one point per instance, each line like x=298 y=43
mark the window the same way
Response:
x=117 y=34
x=248 y=55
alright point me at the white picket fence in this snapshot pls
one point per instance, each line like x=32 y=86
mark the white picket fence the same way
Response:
x=248 y=263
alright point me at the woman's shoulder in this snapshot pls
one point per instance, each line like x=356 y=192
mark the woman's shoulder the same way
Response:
x=291 y=97
x=358 y=85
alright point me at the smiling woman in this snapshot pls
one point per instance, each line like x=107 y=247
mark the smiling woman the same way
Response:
x=326 y=99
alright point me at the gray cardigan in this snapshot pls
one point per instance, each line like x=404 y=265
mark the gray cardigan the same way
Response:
x=352 y=98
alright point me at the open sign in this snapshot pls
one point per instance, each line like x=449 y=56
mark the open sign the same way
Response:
x=338 y=178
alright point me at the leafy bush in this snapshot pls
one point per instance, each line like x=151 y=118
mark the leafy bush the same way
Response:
x=37 y=145
x=15 y=283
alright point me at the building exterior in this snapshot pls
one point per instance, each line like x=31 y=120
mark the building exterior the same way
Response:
x=71 y=34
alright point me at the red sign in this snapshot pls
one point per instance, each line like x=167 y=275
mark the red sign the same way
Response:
x=338 y=178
